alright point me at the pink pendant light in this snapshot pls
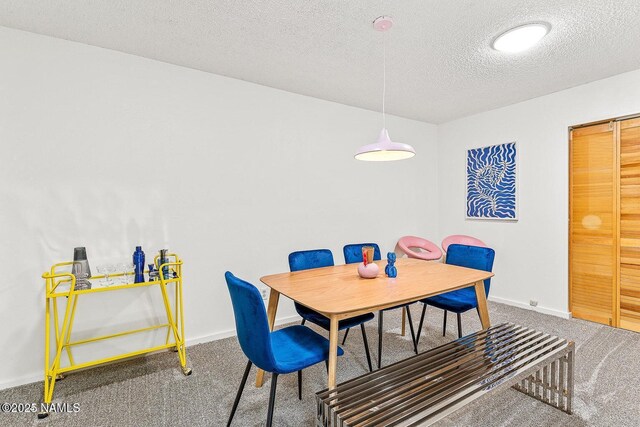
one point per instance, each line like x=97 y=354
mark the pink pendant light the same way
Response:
x=384 y=149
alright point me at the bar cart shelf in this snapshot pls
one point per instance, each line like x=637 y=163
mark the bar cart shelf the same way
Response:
x=61 y=284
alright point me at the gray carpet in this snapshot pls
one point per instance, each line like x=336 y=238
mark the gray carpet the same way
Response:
x=152 y=391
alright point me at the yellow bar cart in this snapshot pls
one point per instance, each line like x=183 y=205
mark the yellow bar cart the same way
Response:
x=62 y=284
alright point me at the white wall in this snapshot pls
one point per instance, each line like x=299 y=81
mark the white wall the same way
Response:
x=109 y=151
x=531 y=254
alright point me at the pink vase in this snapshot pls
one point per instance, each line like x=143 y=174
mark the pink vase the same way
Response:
x=368 y=271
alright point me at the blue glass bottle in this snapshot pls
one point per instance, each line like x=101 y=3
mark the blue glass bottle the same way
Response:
x=138 y=262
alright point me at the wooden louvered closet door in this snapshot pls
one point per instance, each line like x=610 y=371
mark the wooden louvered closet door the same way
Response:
x=629 y=137
x=593 y=223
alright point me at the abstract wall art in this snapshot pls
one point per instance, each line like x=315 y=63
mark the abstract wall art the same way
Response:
x=491 y=182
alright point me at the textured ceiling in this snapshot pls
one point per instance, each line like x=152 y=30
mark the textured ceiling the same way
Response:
x=440 y=64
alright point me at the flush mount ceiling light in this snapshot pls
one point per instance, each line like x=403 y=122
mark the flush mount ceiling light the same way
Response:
x=521 y=38
x=384 y=149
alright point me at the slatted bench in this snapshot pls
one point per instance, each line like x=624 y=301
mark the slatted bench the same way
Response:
x=429 y=386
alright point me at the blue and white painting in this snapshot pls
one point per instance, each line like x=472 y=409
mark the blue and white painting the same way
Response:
x=491 y=182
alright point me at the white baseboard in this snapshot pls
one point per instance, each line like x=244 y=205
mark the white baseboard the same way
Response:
x=232 y=332
x=26 y=379
x=37 y=377
x=544 y=310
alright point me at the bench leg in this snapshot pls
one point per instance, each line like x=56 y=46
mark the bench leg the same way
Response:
x=552 y=383
x=570 y=368
x=459 y=325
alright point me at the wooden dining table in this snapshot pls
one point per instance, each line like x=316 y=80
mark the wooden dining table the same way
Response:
x=338 y=293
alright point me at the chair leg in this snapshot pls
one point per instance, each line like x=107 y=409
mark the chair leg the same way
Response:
x=326 y=365
x=380 y=324
x=459 y=326
x=444 y=324
x=424 y=310
x=366 y=345
x=300 y=384
x=303 y=320
x=242 y=383
x=413 y=333
x=272 y=399
x=345 y=336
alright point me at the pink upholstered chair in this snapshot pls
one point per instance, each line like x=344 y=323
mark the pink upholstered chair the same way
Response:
x=429 y=250
x=461 y=239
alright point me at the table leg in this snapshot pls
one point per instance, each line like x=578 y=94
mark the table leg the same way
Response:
x=404 y=315
x=482 y=304
x=333 y=351
x=272 y=308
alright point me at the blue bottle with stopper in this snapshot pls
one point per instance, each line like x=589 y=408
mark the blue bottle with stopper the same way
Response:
x=138 y=262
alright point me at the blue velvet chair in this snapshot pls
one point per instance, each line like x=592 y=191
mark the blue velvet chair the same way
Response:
x=317 y=258
x=280 y=352
x=353 y=254
x=462 y=300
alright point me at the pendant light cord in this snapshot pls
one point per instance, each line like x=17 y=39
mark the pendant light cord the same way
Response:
x=384 y=77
